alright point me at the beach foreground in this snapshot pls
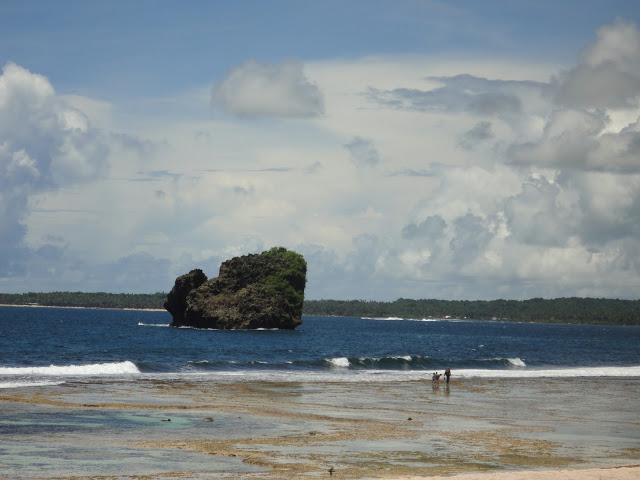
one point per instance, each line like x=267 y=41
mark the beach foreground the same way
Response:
x=615 y=473
x=199 y=428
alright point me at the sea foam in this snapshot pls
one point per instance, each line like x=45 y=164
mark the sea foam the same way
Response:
x=633 y=371
x=338 y=362
x=22 y=384
x=142 y=324
x=516 y=362
x=93 y=369
x=346 y=375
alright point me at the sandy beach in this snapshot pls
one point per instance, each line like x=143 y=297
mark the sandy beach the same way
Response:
x=630 y=472
x=482 y=430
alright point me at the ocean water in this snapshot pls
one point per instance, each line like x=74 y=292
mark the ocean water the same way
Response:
x=48 y=346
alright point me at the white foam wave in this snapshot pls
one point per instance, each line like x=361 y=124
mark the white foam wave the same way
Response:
x=22 y=384
x=408 y=358
x=382 y=318
x=338 y=362
x=345 y=375
x=551 y=372
x=516 y=362
x=198 y=362
x=142 y=324
x=445 y=319
x=114 y=368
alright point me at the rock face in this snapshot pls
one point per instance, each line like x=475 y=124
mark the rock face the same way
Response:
x=176 y=302
x=252 y=291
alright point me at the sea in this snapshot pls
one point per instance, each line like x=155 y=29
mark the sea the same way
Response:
x=51 y=346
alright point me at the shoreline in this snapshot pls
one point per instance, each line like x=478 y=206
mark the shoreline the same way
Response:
x=74 y=307
x=380 y=319
x=328 y=315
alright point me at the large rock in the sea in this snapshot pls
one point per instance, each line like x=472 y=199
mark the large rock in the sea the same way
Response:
x=252 y=291
x=176 y=302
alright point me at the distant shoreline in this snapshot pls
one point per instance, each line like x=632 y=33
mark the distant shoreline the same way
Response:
x=82 y=307
x=564 y=310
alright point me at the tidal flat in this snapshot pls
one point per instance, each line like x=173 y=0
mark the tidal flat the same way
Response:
x=199 y=428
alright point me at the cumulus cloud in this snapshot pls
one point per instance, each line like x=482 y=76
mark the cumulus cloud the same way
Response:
x=577 y=133
x=608 y=75
x=45 y=144
x=269 y=90
x=542 y=214
x=471 y=236
x=431 y=227
x=479 y=133
x=363 y=152
x=575 y=139
x=551 y=209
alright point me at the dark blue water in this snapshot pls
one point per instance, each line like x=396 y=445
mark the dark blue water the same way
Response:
x=39 y=337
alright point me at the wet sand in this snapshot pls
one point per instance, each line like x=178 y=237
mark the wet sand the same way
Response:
x=613 y=473
x=155 y=428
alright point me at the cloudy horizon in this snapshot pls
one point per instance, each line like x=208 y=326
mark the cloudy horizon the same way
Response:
x=411 y=149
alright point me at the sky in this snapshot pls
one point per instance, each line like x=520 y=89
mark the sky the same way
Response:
x=416 y=149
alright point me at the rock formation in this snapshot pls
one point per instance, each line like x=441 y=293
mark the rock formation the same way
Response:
x=253 y=291
x=176 y=302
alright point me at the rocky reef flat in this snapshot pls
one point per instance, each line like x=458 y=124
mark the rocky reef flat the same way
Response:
x=154 y=428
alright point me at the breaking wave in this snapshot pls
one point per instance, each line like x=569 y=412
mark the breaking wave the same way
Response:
x=516 y=362
x=393 y=362
x=339 y=362
x=142 y=324
x=27 y=383
x=430 y=319
x=344 y=374
x=550 y=372
x=93 y=369
x=507 y=362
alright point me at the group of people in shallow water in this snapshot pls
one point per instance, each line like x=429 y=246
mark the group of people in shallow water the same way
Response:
x=435 y=378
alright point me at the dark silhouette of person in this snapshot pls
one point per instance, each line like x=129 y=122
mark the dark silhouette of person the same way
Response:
x=447 y=375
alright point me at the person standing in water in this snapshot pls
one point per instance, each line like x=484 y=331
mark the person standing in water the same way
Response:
x=447 y=375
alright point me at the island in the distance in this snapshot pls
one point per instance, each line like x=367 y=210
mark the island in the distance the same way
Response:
x=263 y=290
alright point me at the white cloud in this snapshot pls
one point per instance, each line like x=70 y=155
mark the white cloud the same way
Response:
x=277 y=90
x=608 y=75
x=45 y=144
x=543 y=198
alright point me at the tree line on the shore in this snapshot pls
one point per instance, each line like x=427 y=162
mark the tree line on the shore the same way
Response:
x=562 y=310
x=86 y=299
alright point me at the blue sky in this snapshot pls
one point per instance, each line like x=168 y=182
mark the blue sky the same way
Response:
x=458 y=149
x=143 y=48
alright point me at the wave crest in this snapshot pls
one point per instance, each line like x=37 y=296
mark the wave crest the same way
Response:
x=338 y=362
x=142 y=324
x=112 y=368
x=22 y=384
x=516 y=362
